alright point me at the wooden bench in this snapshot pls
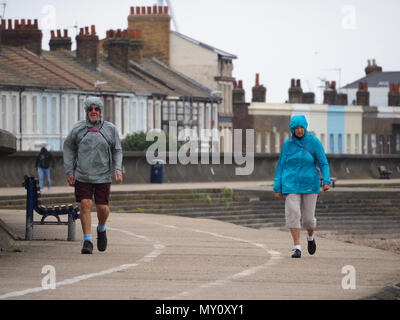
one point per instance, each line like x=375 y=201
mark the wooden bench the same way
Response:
x=384 y=173
x=32 y=205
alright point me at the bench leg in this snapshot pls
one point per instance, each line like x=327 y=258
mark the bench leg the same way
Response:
x=71 y=228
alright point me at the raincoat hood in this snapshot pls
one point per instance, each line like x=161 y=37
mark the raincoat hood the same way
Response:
x=94 y=101
x=298 y=121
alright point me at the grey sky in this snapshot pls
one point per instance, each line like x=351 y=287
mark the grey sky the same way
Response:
x=307 y=39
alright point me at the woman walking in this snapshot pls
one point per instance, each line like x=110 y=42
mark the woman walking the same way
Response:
x=297 y=177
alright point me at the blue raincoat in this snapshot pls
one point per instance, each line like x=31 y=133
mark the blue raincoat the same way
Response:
x=297 y=171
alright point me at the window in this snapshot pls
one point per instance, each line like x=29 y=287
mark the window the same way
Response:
x=381 y=143
x=357 y=144
x=277 y=142
x=64 y=119
x=180 y=111
x=126 y=115
x=348 y=144
x=389 y=144
x=172 y=110
x=258 y=141
x=340 y=144
x=72 y=112
x=398 y=142
x=14 y=112
x=267 y=142
x=118 y=115
x=365 y=146
x=4 y=112
x=373 y=143
x=54 y=116
x=35 y=115
x=331 y=143
x=134 y=116
x=187 y=113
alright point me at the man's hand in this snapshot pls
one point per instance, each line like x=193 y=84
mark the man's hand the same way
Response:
x=325 y=187
x=118 y=177
x=71 y=180
x=278 y=195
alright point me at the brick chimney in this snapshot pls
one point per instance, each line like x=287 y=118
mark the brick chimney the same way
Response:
x=295 y=91
x=362 y=94
x=259 y=91
x=308 y=97
x=58 y=42
x=87 y=46
x=372 y=67
x=122 y=46
x=238 y=93
x=341 y=99
x=155 y=24
x=24 y=34
x=330 y=93
x=394 y=95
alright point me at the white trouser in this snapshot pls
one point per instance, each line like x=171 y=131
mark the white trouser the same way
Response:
x=300 y=210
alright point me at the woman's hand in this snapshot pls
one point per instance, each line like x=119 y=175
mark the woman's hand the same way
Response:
x=278 y=195
x=325 y=187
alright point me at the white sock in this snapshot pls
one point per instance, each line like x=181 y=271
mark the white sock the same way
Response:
x=297 y=246
x=310 y=238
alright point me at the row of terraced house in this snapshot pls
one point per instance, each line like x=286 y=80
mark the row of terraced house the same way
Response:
x=151 y=77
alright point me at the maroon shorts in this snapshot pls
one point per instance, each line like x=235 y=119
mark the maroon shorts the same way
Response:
x=84 y=190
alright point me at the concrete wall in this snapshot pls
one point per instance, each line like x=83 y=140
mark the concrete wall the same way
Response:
x=137 y=170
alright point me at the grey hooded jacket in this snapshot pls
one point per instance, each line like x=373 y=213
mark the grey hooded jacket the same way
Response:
x=91 y=155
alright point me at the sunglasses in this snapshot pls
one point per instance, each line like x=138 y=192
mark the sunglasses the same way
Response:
x=97 y=109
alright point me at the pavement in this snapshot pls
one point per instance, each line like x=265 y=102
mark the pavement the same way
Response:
x=162 y=257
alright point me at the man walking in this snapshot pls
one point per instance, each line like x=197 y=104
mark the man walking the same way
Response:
x=92 y=154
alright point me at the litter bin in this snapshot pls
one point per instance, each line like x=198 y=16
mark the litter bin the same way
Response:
x=157 y=172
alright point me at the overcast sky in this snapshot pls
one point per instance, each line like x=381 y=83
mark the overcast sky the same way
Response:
x=308 y=39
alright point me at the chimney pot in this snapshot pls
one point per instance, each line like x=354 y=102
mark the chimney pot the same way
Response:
x=52 y=34
x=65 y=33
x=138 y=10
x=333 y=85
x=298 y=84
x=35 y=24
x=22 y=23
x=93 y=30
x=143 y=10
x=149 y=10
x=154 y=9
x=234 y=84
x=58 y=33
x=9 y=24
x=165 y=10
x=240 y=84
x=257 y=79
x=29 y=23
x=292 y=83
x=3 y=24
x=132 y=10
x=160 y=10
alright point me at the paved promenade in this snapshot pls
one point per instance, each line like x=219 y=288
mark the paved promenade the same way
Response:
x=163 y=257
